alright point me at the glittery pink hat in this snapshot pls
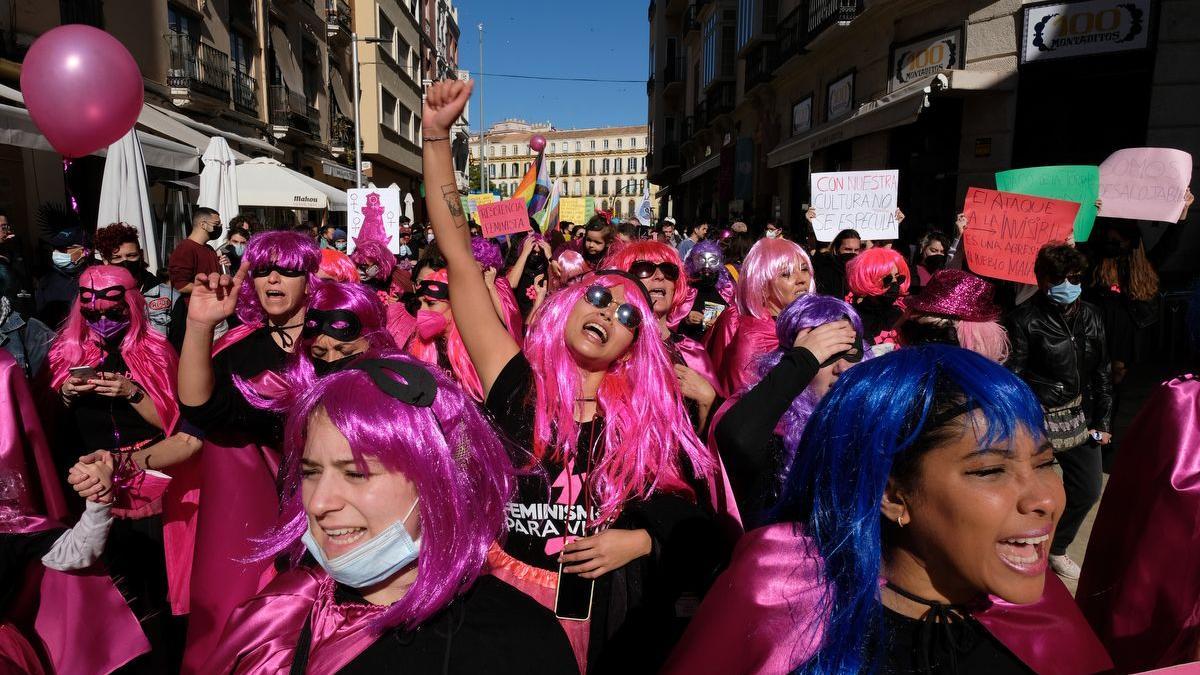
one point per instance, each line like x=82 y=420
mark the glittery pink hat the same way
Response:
x=957 y=295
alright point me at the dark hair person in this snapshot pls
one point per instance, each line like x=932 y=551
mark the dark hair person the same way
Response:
x=118 y=244
x=912 y=537
x=1124 y=287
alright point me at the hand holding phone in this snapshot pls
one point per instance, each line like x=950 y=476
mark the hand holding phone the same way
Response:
x=83 y=373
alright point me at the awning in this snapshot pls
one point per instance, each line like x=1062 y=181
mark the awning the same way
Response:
x=266 y=182
x=169 y=127
x=340 y=94
x=210 y=130
x=336 y=197
x=285 y=58
x=895 y=109
x=701 y=168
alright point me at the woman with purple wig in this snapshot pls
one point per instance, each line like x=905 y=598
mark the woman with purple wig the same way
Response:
x=394 y=489
x=608 y=513
x=713 y=288
x=757 y=431
x=270 y=293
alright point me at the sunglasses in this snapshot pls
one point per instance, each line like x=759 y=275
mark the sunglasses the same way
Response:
x=897 y=279
x=118 y=313
x=644 y=269
x=90 y=295
x=1076 y=279
x=265 y=271
x=340 y=324
x=627 y=315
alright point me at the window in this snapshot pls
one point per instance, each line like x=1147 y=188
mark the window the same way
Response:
x=591 y=188
x=577 y=189
x=503 y=151
x=643 y=170
x=632 y=209
x=633 y=142
x=552 y=168
x=591 y=167
x=619 y=141
x=604 y=187
x=578 y=146
x=553 y=148
x=503 y=189
x=578 y=171
x=387 y=32
x=606 y=167
x=630 y=186
x=593 y=145
x=491 y=170
x=503 y=170
x=617 y=166
x=606 y=144
x=516 y=151
x=516 y=169
x=526 y=169
x=642 y=186
x=404 y=122
x=387 y=109
x=492 y=151
x=632 y=165
x=617 y=208
x=90 y=12
x=566 y=168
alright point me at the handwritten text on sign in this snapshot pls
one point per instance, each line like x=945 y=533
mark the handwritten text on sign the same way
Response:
x=1145 y=183
x=506 y=217
x=856 y=200
x=1005 y=231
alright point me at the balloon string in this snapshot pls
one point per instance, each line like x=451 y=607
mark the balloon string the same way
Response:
x=67 y=182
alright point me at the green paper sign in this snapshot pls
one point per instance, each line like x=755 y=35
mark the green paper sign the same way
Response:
x=1071 y=183
x=589 y=208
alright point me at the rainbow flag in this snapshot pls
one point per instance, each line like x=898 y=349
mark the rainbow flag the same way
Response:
x=549 y=213
x=525 y=189
x=541 y=189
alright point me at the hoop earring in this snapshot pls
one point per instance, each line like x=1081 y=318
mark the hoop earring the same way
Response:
x=900 y=520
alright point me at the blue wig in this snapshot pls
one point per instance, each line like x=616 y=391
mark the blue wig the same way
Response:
x=876 y=422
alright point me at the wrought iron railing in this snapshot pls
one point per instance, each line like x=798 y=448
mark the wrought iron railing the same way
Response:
x=195 y=65
x=245 y=90
x=291 y=109
x=337 y=15
x=675 y=70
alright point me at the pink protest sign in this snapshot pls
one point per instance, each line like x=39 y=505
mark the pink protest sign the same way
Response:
x=506 y=217
x=1145 y=183
x=1005 y=230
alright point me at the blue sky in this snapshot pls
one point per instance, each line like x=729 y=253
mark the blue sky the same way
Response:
x=606 y=39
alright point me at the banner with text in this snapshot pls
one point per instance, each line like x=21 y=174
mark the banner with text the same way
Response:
x=1073 y=183
x=1145 y=183
x=506 y=217
x=573 y=210
x=1005 y=231
x=856 y=200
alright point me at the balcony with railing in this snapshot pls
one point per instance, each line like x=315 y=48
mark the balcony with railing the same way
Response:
x=245 y=90
x=196 y=67
x=760 y=65
x=823 y=14
x=291 y=112
x=674 y=74
x=337 y=19
x=720 y=100
x=341 y=136
x=792 y=34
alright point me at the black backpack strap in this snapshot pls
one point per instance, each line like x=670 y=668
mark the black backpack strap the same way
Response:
x=300 y=661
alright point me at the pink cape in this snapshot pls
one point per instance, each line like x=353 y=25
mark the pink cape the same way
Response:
x=696 y=358
x=1140 y=586
x=752 y=339
x=72 y=607
x=763 y=615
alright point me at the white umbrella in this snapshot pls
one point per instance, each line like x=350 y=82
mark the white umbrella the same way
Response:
x=266 y=182
x=219 y=184
x=124 y=195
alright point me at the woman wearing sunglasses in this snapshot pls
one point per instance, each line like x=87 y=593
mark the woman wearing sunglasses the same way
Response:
x=878 y=280
x=714 y=288
x=607 y=515
x=269 y=292
x=912 y=537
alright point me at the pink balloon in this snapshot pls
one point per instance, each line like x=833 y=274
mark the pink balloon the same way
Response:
x=82 y=88
x=537 y=143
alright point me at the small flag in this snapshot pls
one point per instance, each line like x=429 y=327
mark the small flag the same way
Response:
x=645 y=212
x=541 y=189
x=525 y=187
x=549 y=213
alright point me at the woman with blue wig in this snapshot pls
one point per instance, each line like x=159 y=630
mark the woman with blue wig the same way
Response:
x=912 y=536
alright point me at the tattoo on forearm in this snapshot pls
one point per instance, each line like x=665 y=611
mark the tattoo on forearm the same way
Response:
x=454 y=203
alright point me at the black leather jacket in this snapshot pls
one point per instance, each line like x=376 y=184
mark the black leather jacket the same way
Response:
x=1062 y=356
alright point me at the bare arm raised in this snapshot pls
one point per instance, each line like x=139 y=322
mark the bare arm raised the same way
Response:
x=483 y=333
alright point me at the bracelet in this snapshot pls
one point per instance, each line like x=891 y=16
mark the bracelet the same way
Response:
x=430 y=139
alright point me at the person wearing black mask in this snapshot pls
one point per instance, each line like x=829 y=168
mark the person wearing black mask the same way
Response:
x=118 y=245
x=193 y=255
x=930 y=258
x=532 y=262
x=829 y=268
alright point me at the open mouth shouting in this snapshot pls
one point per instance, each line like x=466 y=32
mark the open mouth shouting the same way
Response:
x=1027 y=553
x=595 y=332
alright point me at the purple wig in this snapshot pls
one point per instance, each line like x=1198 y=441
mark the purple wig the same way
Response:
x=487 y=253
x=456 y=461
x=290 y=250
x=807 y=311
x=725 y=285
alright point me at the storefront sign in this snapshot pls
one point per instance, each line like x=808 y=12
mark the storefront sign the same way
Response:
x=1059 y=30
x=507 y=217
x=839 y=97
x=1005 y=231
x=337 y=171
x=926 y=57
x=1080 y=184
x=856 y=200
x=1145 y=183
x=802 y=116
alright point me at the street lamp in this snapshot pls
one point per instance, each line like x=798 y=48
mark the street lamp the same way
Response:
x=354 y=40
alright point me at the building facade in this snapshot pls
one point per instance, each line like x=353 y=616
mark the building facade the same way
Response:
x=608 y=163
x=748 y=97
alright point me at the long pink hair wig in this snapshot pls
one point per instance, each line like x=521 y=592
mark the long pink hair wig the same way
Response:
x=456 y=352
x=571 y=265
x=655 y=252
x=290 y=250
x=865 y=272
x=461 y=470
x=646 y=430
x=150 y=358
x=766 y=260
x=338 y=266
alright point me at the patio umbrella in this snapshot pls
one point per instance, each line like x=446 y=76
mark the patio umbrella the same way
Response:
x=124 y=195
x=219 y=184
x=266 y=182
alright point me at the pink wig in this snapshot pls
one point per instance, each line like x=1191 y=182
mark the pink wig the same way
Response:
x=291 y=250
x=646 y=429
x=766 y=260
x=150 y=358
x=865 y=272
x=456 y=352
x=572 y=265
x=656 y=252
x=461 y=470
x=983 y=337
x=374 y=253
x=338 y=266
x=299 y=373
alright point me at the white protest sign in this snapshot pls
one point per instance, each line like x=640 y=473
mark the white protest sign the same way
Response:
x=1145 y=183
x=856 y=200
x=373 y=214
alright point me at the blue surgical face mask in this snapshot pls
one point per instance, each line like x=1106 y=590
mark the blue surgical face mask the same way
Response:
x=374 y=561
x=239 y=249
x=1064 y=293
x=62 y=260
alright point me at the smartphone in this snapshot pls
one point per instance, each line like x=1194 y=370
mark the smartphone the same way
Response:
x=573 y=597
x=84 y=373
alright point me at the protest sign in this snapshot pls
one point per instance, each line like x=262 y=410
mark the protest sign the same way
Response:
x=572 y=210
x=856 y=200
x=506 y=217
x=373 y=214
x=1005 y=231
x=1073 y=183
x=1145 y=183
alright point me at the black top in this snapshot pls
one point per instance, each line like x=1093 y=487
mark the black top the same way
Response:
x=829 y=271
x=978 y=652
x=746 y=440
x=705 y=294
x=493 y=628
x=17 y=550
x=107 y=423
x=227 y=411
x=879 y=314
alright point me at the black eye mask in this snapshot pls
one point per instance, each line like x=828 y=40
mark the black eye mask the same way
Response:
x=852 y=355
x=434 y=290
x=90 y=295
x=340 y=324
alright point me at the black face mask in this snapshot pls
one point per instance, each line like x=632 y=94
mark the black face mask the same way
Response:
x=135 y=268
x=844 y=258
x=536 y=262
x=919 y=333
x=322 y=367
x=935 y=262
x=215 y=234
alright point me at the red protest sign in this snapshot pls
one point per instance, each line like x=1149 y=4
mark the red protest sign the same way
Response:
x=1005 y=230
x=507 y=217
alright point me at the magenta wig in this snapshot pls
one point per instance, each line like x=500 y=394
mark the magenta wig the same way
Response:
x=290 y=250
x=651 y=251
x=487 y=253
x=865 y=272
x=374 y=253
x=150 y=358
x=725 y=284
x=298 y=373
x=461 y=470
x=646 y=429
x=766 y=260
x=572 y=265
x=338 y=266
